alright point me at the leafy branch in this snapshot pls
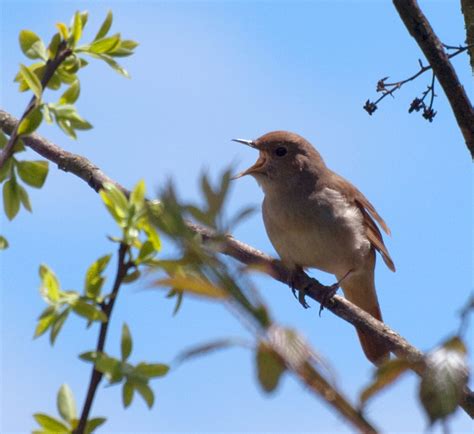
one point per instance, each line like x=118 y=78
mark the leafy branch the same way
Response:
x=138 y=245
x=123 y=266
x=57 y=64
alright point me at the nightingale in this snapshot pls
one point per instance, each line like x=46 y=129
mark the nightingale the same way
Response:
x=317 y=219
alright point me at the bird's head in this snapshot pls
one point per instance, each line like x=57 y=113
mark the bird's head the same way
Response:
x=284 y=160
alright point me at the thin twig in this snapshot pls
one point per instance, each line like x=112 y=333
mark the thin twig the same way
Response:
x=95 y=178
x=391 y=88
x=51 y=66
x=420 y=29
x=107 y=307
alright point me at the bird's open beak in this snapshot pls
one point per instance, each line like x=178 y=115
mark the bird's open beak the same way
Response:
x=259 y=164
x=250 y=143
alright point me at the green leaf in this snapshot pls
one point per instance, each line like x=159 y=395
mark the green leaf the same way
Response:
x=129 y=44
x=6 y=170
x=65 y=125
x=127 y=394
x=131 y=277
x=137 y=197
x=444 y=379
x=76 y=28
x=206 y=348
x=270 y=367
x=79 y=123
x=31 y=122
x=126 y=342
x=105 y=45
x=58 y=324
x=32 y=45
x=24 y=198
x=89 y=311
x=105 y=27
x=147 y=251
x=65 y=76
x=151 y=369
x=110 y=367
x=385 y=375
x=153 y=236
x=33 y=173
x=66 y=403
x=43 y=324
x=50 y=423
x=193 y=285
x=84 y=17
x=112 y=63
x=146 y=393
x=53 y=45
x=125 y=48
x=50 y=288
x=11 y=198
x=116 y=198
x=94 y=279
x=32 y=80
x=63 y=30
x=71 y=94
x=94 y=423
x=3 y=243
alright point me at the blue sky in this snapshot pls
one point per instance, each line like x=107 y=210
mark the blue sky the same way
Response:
x=203 y=74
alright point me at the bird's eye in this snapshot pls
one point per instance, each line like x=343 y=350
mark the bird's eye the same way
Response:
x=281 y=151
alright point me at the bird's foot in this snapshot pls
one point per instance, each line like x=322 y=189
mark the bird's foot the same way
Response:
x=301 y=292
x=328 y=294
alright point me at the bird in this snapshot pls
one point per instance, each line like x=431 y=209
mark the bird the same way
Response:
x=315 y=218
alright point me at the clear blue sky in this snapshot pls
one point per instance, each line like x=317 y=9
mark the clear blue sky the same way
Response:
x=203 y=74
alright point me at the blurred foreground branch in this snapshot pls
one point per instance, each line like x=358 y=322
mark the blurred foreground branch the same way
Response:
x=86 y=170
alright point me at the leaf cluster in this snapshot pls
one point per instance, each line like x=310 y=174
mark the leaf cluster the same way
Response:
x=14 y=173
x=61 y=303
x=66 y=405
x=134 y=378
x=198 y=269
x=55 y=65
x=444 y=376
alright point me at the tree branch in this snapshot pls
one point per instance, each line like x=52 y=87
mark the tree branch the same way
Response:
x=84 y=169
x=51 y=66
x=107 y=307
x=420 y=28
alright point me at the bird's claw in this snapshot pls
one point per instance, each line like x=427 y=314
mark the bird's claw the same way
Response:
x=327 y=295
x=302 y=299
x=301 y=292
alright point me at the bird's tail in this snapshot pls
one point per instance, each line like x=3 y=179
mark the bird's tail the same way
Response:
x=359 y=288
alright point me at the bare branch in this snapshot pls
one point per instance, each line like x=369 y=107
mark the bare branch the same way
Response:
x=86 y=170
x=420 y=28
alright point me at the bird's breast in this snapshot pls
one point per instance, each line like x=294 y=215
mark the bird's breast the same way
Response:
x=322 y=230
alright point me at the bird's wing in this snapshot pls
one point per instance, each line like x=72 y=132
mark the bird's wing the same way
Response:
x=370 y=214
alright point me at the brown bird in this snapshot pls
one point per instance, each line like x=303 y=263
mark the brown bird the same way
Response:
x=316 y=218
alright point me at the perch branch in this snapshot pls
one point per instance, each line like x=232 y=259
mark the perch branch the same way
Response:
x=86 y=170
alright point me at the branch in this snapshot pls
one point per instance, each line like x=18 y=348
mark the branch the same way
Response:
x=420 y=28
x=391 y=88
x=96 y=376
x=84 y=169
x=51 y=66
